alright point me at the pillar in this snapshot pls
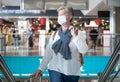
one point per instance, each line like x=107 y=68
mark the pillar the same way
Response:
x=114 y=26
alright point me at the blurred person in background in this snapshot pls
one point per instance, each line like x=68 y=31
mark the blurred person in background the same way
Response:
x=30 y=37
x=36 y=39
x=16 y=38
x=93 y=37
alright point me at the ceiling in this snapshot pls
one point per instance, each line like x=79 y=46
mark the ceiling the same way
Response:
x=54 y=4
x=99 y=7
x=47 y=4
x=10 y=2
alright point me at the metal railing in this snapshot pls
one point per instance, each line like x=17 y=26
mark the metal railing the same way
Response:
x=42 y=39
x=111 y=65
x=5 y=70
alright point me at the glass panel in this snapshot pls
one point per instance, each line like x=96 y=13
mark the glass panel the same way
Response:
x=115 y=75
x=2 y=77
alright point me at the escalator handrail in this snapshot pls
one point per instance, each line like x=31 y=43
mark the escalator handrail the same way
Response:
x=6 y=74
x=110 y=69
x=113 y=54
x=6 y=71
x=115 y=76
x=109 y=65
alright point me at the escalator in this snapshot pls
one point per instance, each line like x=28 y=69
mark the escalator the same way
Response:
x=111 y=72
x=5 y=71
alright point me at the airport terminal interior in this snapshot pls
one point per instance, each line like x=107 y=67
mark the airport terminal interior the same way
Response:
x=34 y=21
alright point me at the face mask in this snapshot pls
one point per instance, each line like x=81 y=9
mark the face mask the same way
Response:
x=62 y=20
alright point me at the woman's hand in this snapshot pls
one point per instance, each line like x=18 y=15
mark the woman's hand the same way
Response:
x=74 y=32
x=36 y=74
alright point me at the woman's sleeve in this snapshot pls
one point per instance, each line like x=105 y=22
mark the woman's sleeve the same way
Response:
x=48 y=55
x=80 y=43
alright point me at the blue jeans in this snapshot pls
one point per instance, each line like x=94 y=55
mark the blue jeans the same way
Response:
x=59 y=77
x=16 y=42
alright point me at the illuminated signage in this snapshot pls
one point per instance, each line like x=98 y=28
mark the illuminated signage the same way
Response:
x=22 y=67
x=19 y=12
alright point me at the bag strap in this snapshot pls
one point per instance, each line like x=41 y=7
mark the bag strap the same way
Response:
x=81 y=59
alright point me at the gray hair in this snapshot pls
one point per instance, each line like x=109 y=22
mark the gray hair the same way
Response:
x=69 y=10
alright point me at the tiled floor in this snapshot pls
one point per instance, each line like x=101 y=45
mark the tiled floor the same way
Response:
x=99 y=51
x=25 y=51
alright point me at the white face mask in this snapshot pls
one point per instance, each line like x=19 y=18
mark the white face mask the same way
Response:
x=62 y=20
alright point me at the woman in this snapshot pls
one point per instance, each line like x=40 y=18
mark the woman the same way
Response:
x=30 y=37
x=62 y=53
